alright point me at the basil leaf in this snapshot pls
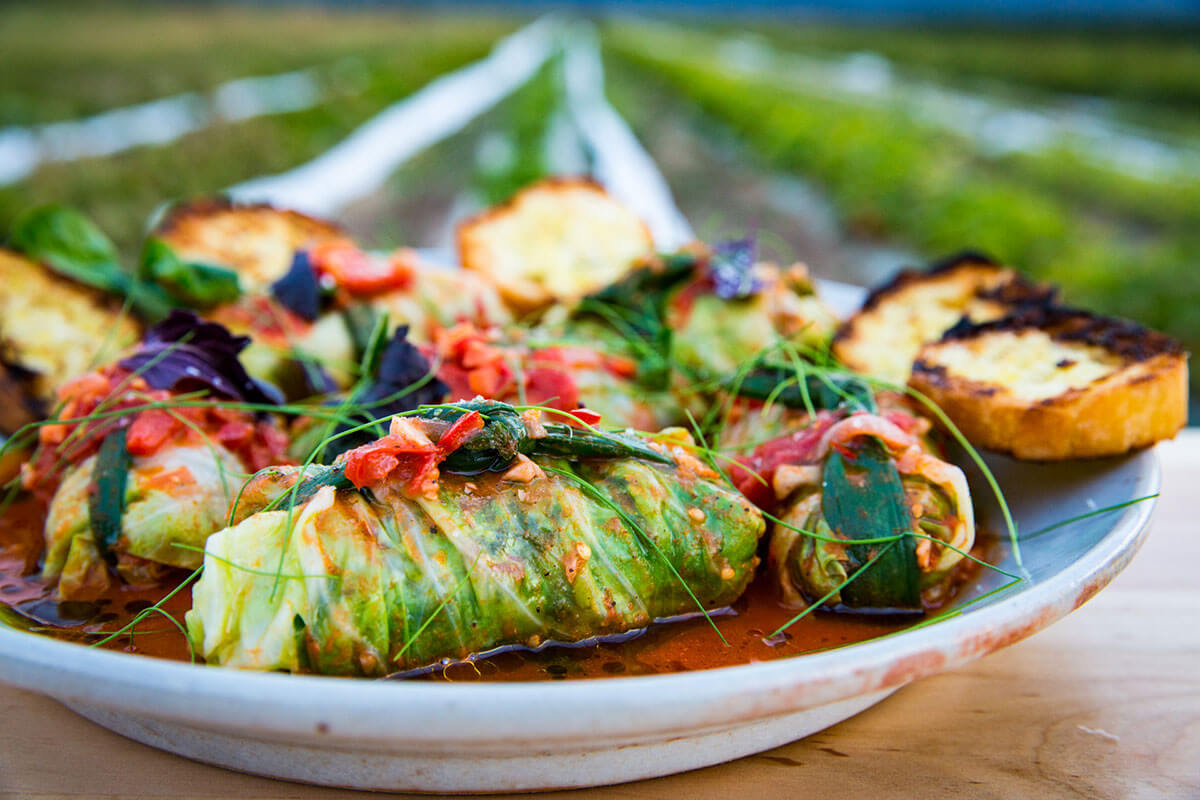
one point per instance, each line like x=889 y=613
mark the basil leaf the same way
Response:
x=395 y=378
x=377 y=343
x=865 y=500
x=184 y=352
x=732 y=269
x=504 y=437
x=106 y=501
x=643 y=289
x=635 y=307
x=71 y=245
x=192 y=283
x=360 y=320
x=827 y=392
x=313 y=482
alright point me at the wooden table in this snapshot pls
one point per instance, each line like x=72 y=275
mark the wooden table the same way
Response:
x=1104 y=704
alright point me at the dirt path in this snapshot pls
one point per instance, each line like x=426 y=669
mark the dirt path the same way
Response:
x=718 y=184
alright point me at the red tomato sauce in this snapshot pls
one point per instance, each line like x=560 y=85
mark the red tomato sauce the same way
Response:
x=38 y=609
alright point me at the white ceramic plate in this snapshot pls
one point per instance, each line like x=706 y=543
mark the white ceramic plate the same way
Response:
x=433 y=737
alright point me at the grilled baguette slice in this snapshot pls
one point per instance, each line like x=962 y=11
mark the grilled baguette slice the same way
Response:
x=917 y=306
x=1054 y=383
x=257 y=241
x=554 y=241
x=51 y=330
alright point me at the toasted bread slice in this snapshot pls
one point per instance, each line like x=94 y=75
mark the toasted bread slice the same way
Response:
x=917 y=306
x=554 y=241
x=51 y=330
x=257 y=241
x=1052 y=383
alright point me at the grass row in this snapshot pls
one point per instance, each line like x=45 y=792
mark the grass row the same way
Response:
x=1137 y=198
x=65 y=60
x=121 y=191
x=894 y=176
x=1149 y=66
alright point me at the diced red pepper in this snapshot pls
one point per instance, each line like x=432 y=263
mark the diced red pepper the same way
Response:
x=622 y=367
x=569 y=357
x=490 y=380
x=458 y=433
x=268 y=447
x=586 y=416
x=470 y=364
x=165 y=480
x=235 y=433
x=458 y=380
x=904 y=421
x=685 y=299
x=394 y=456
x=846 y=452
x=371 y=463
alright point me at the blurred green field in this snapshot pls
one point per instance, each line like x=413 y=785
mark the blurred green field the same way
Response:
x=1149 y=67
x=144 y=54
x=65 y=60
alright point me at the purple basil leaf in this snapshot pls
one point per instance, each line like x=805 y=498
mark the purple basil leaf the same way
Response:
x=184 y=352
x=732 y=269
x=400 y=366
x=298 y=290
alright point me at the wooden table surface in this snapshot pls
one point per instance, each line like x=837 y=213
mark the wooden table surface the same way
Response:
x=1104 y=704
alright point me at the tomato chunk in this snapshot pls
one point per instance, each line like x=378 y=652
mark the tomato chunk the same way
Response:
x=150 y=430
x=550 y=387
x=362 y=273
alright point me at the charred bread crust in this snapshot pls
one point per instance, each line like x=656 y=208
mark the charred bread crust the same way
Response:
x=976 y=286
x=529 y=280
x=220 y=231
x=907 y=277
x=1140 y=398
x=50 y=331
x=180 y=215
x=1121 y=337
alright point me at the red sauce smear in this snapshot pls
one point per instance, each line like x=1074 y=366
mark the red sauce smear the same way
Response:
x=39 y=609
x=683 y=646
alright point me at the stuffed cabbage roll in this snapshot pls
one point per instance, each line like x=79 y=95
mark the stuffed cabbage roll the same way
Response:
x=300 y=288
x=174 y=496
x=716 y=331
x=692 y=319
x=389 y=564
x=846 y=476
x=135 y=482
